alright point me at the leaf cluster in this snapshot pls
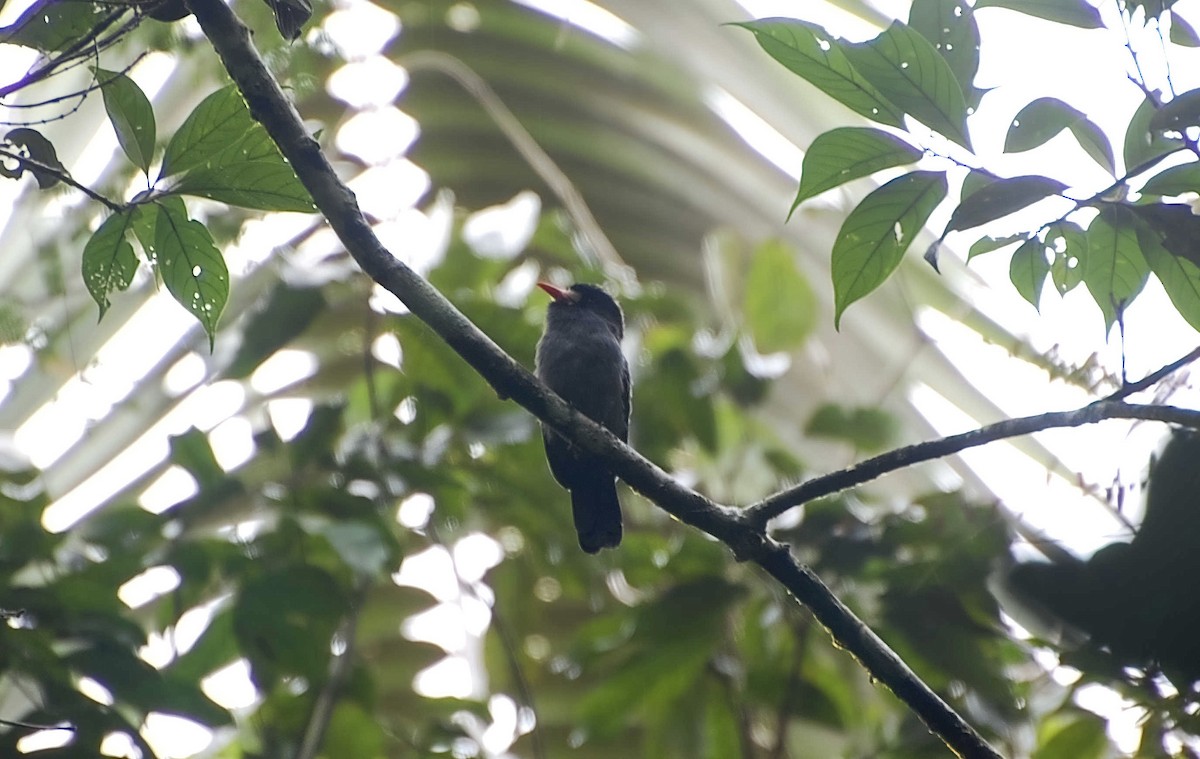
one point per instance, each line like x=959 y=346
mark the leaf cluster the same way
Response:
x=922 y=72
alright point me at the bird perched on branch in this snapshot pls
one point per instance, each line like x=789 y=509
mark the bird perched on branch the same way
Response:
x=579 y=357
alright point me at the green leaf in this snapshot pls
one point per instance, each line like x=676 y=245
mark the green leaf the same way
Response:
x=988 y=244
x=108 y=259
x=1095 y=143
x=1179 y=277
x=264 y=185
x=1182 y=32
x=1182 y=112
x=131 y=115
x=30 y=142
x=1037 y=122
x=1000 y=198
x=847 y=153
x=908 y=70
x=1068 y=242
x=192 y=267
x=284 y=620
x=1028 y=269
x=353 y=732
x=1115 y=270
x=1083 y=737
x=780 y=305
x=1073 y=12
x=1043 y=118
x=51 y=25
x=867 y=429
x=1176 y=180
x=218 y=132
x=1142 y=144
x=818 y=57
x=951 y=28
x=877 y=233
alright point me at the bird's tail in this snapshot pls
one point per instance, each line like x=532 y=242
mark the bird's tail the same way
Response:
x=597 y=515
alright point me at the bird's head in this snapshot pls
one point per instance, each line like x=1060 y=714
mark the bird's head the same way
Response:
x=588 y=298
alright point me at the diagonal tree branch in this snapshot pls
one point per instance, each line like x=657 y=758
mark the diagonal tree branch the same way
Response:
x=865 y=471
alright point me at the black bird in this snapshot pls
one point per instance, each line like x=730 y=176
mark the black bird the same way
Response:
x=579 y=357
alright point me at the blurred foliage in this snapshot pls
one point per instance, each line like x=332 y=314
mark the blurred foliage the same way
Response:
x=666 y=647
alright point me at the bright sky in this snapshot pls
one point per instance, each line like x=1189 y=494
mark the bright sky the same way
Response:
x=1056 y=60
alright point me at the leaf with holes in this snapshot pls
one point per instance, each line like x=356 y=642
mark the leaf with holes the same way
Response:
x=220 y=120
x=1182 y=112
x=265 y=185
x=1028 y=268
x=1073 y=12
x=192 y=267
x=131 y=115
x=847 y=153
x=1068 y=242
x=1115 y=269
x=815 y=55
x=32 y=146
x=876 y=234
x=908 y=70
x=951 y=28
x=108 y=259
x=1000 y=198
x=1144 y=143
x=988 y=244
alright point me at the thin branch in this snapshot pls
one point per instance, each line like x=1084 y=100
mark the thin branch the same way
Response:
x=34 y=726
x=339 y=673
x=62 y=176
x=818 y=487
x=1153 y=378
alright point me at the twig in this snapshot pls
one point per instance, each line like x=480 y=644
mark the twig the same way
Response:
x=1153 y=378
x=865 y=471
x=63 y=177
x=339 y=673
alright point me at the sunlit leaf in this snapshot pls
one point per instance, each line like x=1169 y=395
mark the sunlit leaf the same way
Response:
x=1074 y=12
x=265 y=185
x=1179 y=277
x=846 y=153
x=1027 y=270
x=1176 y=180
x=951 y=27
x=131 y=115
x=109 y=262
x=1068 y=242
x=812 y=53
x=1115 y=270
x=51 y=25
x=1045 y=117
x=780 y=306
x=908 y=70
x=219 y=121
x=876 y=234
x=1000 y=198
x=1182 y=32
x=1143 y=143
x=192 y=266
x=988 y=244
